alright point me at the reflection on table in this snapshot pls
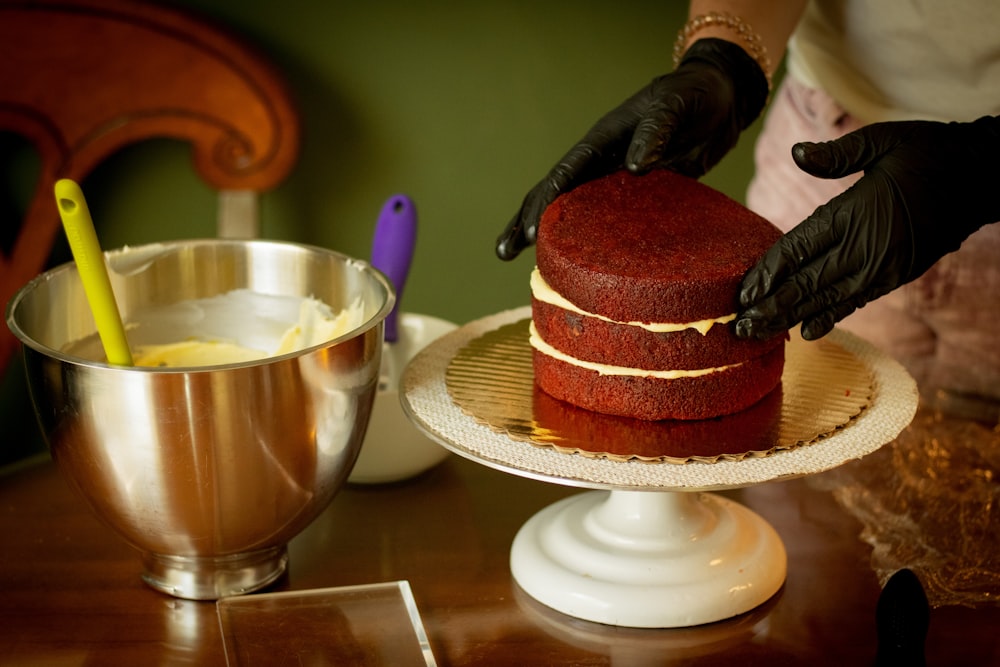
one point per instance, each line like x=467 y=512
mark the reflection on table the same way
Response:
x=70 y=591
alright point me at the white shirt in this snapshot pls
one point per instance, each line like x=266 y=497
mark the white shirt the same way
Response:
x=890 y=60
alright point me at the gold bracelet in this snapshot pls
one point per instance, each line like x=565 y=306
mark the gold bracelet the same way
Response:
x=751 y=40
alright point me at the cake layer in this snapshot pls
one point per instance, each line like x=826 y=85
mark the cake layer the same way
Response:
x=751 y=431
x=618 y=344
x=702 y=396
x=654 y=248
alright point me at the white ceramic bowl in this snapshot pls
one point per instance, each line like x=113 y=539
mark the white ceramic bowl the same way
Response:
x=394 y=449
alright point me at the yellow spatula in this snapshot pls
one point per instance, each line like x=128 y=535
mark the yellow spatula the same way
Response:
x=93 y=271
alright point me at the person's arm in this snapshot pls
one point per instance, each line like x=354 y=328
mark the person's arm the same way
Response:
x=686 y=120
x=769 y=22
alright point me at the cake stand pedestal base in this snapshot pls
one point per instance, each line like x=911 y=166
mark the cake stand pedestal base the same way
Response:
x=649 y=559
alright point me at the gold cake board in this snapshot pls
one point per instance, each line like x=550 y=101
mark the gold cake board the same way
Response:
x=823 y=388
x=890 y=407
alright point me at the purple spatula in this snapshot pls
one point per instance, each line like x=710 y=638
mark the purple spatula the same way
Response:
x=392 y=250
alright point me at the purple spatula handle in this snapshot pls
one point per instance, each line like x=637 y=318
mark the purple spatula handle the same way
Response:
x=392 y=250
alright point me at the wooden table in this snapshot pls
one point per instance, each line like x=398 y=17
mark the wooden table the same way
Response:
x=70 y=593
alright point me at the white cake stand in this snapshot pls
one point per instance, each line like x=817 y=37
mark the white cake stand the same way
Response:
x=648 y=546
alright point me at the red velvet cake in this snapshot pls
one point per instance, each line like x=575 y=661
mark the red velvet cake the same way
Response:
x=634 y=295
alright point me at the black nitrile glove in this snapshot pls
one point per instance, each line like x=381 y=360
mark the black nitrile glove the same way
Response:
x=686 y=120
x=926 y=187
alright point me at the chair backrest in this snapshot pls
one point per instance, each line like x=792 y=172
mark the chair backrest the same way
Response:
x=80 y=79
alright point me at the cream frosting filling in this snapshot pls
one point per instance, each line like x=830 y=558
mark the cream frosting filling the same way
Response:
x=195 y=353
x=316 y=324
x=605 y=369
x=543 y=292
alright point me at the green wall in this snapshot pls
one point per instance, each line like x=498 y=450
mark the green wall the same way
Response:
x=461 y=105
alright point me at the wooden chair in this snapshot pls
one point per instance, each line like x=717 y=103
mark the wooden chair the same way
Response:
x=80 y=79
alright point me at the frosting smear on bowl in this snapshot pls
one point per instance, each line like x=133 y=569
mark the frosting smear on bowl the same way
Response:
x=234 y=327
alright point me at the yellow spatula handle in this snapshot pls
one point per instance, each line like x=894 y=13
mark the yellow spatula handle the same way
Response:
x=93 y=271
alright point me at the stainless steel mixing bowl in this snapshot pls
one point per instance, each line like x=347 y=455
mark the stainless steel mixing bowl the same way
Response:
x=209 y=471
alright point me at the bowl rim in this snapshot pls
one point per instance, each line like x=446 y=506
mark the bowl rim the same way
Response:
x=375 y=320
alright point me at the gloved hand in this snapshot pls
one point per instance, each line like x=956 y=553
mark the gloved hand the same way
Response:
x=926 y=187
x=686 y=120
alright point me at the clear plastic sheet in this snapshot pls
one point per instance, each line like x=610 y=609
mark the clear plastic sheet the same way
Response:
x=930 y=501
x=373 y=624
